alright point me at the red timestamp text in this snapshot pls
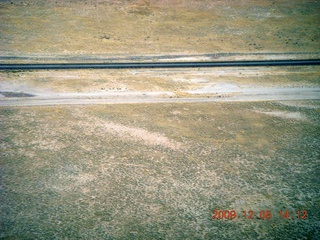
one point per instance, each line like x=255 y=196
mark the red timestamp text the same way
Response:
x=261 y=215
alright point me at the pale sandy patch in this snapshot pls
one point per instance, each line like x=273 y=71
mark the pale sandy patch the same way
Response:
x=285 y=115
x=133 y=134
x=84 y=178
x=150 y=138
x=176 y=112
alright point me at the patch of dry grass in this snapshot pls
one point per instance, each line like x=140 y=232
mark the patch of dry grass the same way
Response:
x=153 y=27
x=79 y=172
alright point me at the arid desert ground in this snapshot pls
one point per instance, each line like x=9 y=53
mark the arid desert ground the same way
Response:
x=151 y=153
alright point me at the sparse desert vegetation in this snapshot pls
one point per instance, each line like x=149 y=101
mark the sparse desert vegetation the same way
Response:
x=158 y=170
x=122 y=28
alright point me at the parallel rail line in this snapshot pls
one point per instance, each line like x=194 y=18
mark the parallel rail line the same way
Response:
x=128 y=65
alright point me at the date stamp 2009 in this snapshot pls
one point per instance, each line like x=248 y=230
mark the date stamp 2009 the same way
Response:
x=262 y=215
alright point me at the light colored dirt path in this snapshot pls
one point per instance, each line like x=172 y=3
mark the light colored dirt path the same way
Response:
x=215 y=95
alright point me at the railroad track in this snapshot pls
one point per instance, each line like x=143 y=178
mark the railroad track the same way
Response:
x=160 y=64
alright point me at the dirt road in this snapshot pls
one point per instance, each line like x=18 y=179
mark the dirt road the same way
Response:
x=215 y=94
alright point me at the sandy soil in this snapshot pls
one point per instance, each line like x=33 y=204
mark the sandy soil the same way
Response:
x=162 y=85
x=157 y=171
x=121 y=28
x=78 y=162
x=243 y=95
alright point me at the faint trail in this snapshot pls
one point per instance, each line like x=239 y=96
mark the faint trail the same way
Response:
x=243 y=95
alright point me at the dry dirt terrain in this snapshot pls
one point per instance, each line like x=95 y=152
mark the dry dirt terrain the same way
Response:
x=151 y=153
x=158 y=171
x=149 y=27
